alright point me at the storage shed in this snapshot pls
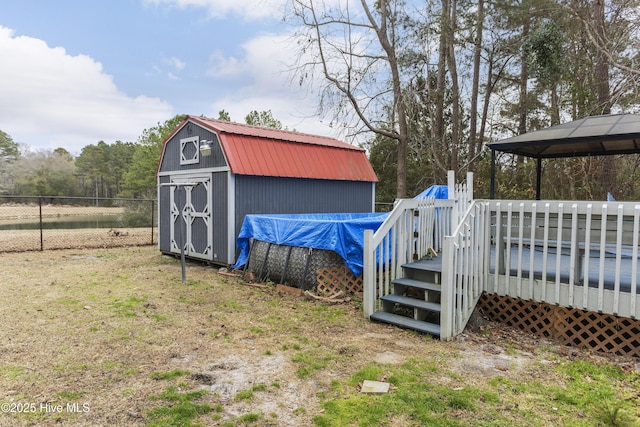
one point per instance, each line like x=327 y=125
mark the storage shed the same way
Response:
x=212 y=173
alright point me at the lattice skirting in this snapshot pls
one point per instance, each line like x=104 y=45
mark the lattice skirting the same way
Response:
x=334 y=279
x=570 y=326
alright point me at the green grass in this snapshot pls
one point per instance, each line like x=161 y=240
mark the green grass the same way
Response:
x=107 y=256
x=128 y=307
x=248 y=394
x=244 y=395
x=69 y=301
x=232 y=305
x=171 y=375
x=70 y=395
x=191 y=300
x=601 y=394
x=311 y=361
x=414 y=399
x=158 y=317
x=249 y=418
x=595 y=389
x=11 y=372
x=181 y=409
x=330 y=314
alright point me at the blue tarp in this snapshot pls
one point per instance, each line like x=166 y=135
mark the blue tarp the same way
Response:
x=342 y=233
x=437 y=191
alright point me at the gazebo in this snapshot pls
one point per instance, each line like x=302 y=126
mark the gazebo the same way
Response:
x=590 y=136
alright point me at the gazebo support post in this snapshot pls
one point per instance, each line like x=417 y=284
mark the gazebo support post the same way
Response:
x=538 y=177
x=492 y=183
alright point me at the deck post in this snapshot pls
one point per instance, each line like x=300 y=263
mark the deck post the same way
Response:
x=368 y=276
x=447 y=290
x=451 y=188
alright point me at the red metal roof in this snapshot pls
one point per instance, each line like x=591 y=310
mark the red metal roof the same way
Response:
x=252 y=150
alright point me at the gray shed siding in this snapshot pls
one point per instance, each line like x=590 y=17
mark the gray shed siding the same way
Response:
x=220 y=204
x=171 y=158
x=263 y=194
x=164 y=216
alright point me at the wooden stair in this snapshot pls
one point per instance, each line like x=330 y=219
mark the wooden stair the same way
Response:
x=415 y=301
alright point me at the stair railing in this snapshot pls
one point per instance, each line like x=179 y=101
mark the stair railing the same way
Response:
x=406 y=235
x=412 y=229
x=465 y=264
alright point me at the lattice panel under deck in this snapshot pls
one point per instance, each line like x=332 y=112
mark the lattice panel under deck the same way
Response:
x=570 y=326
x=334 y=279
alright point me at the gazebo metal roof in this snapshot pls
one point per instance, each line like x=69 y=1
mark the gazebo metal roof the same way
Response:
x=590 y=136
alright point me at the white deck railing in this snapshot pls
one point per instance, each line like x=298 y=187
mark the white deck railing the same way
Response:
x=568 y=253
x=411 y=229
x=465 y=261
x=572 y=254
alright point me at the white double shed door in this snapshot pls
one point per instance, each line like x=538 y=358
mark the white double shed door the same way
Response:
x=191 y=215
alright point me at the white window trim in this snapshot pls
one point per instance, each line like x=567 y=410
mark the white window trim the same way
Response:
x=195 y=140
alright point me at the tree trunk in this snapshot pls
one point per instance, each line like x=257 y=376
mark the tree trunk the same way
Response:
x=523 y=104
x=388 y=45
x=438 y=125
x=555 y=106
x=609 y=171
x=473 y=113
x=524 y=77
x=455 y=90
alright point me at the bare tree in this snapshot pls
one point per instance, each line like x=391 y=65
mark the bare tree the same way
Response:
x=358 y=54
x=610 y=30
x=473 y=113
x=455 y=86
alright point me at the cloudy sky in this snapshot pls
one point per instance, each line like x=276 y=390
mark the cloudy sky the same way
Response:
x=75 y=72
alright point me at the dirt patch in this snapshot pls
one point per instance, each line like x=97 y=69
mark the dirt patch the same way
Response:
x=91 y=327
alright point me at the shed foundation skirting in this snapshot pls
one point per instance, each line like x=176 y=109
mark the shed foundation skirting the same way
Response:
x=569 y=326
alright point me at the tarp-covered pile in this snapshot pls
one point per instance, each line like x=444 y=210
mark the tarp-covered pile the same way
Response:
x=342 y=233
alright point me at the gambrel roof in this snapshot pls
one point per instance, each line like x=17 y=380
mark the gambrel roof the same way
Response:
x=252 y=150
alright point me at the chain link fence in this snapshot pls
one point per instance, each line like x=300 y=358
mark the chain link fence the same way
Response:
x=40 y=222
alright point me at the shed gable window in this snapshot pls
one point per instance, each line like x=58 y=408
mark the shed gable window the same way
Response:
x=189 y=151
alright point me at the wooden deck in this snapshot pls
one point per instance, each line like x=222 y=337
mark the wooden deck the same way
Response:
x=532 y=252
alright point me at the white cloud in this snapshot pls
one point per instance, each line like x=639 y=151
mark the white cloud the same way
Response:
x=262 y=65
x=248 y=9
x=176 y=63
x=50 y=99
x=221 y=66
